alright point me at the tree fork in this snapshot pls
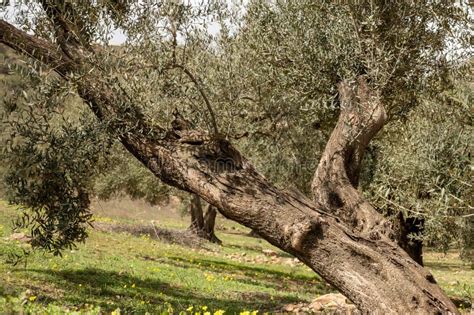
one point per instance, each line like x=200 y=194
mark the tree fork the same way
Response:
x=336 y=179
x=373 y=272
x=337 y=175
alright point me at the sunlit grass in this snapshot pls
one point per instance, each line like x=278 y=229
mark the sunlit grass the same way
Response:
x=118 y=271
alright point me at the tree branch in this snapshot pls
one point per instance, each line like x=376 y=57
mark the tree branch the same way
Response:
x=70 y=30
x=337 y=176
x=34 y=47
x=203 y=95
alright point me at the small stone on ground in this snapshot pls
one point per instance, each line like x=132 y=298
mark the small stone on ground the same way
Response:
x=332 y=303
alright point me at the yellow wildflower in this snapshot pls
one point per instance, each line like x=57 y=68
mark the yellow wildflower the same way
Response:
x=219 y=312
x=32 y=298
x=189 y=309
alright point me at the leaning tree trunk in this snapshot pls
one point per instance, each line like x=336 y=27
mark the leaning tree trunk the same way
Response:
x=338 y=234
x=203 y=225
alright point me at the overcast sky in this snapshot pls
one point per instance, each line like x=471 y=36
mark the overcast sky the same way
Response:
x=10 y=11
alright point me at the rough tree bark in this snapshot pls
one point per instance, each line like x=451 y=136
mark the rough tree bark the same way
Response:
x=338 y=235
x=337 y=176
x=203 y=225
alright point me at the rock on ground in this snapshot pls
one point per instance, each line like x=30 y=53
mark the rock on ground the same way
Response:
x=332 y=303
x=20 y=237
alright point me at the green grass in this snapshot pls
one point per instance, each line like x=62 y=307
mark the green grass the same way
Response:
x=454 y=276
x=137 y=274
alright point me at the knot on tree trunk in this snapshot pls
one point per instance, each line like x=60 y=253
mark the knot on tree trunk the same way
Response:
x=212 y=151
x=304 y=231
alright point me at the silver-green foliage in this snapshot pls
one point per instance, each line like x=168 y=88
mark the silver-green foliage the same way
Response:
x=50 y=157
x=270 y=77
x=423 y=168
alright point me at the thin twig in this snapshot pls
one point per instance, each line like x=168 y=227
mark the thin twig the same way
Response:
x=203 y=94
x=198 y=86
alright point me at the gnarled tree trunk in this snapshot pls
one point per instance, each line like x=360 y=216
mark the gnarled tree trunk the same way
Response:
x=337 y=177
x=338 y=234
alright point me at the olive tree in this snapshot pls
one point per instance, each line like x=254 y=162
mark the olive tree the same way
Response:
x=370 y=61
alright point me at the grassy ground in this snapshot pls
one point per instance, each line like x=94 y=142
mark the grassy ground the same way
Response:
x=118 y=271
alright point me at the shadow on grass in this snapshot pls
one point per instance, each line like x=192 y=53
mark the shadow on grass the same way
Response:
x=441 y=265
x=255 y=275
x=247 y=269
x=110 y=290
x=256 y=248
